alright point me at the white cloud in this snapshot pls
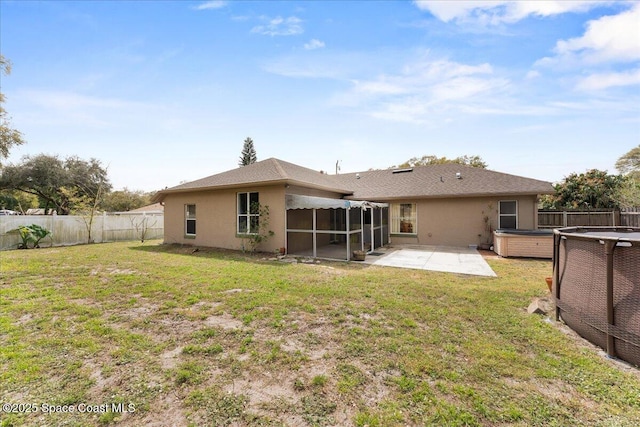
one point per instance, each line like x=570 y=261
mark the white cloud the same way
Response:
x=70 y=100
x=441 y=79
x=323 y=64
x=382 y=86
x=280 y=27
x=488 y=12
x=410 y=111
x=613 y=38
x=215 y=4
x=427 y=88
x=59 y=107
x=314 y=44
x=602 y=81
x=533 y=74
x=607 y=54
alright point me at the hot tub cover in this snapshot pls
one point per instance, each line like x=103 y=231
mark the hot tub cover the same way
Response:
x=522 y=232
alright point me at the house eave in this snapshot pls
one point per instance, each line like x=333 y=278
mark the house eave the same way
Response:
x=161 y=195
x=343 y=191
x=445 y=196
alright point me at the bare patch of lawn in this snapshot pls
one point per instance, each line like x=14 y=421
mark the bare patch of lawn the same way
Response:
x=186 y=338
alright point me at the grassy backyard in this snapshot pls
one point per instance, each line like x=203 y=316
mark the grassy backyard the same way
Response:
x=178 y=338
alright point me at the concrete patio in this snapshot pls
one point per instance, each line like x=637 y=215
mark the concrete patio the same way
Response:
x=434 y=258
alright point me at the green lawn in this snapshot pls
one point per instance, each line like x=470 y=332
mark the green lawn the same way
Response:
x=178 y=337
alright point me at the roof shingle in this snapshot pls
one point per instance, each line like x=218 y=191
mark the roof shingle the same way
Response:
x=438 y=181
x=266 y=171
x=433 y=181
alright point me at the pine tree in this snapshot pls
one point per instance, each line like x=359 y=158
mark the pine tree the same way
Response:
x=248 y=154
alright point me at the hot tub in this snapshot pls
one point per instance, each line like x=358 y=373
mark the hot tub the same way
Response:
x=523 y=243
x=596 y=284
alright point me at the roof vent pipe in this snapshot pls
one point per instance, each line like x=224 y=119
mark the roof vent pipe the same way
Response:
x=458 y=175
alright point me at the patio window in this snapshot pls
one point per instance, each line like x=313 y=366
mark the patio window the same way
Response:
x=248 y=213
x=190 y=220
x=404 y=218
x=508 y=217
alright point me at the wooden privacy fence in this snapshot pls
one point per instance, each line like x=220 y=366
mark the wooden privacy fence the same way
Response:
x=629 y=217
x=72 y=230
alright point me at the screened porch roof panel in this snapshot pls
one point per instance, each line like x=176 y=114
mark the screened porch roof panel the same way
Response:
x=295 y=201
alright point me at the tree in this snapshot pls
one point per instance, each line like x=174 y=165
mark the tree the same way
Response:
x=593 y=189
x=8 y=136
x=56 y=182
x=142 y=225
x=629 y=163
x=475 y=161
x=629 y=192
x=248 y=154
x=85 y=204
x=124 y=200
x=17 y=201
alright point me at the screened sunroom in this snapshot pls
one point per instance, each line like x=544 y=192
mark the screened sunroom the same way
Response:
x=320 y=227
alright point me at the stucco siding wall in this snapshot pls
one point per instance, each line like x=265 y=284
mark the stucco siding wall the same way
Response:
x=450 y=222
x=216 y=217
x=460 y=222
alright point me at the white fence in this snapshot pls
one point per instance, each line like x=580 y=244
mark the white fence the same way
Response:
x=72 y=230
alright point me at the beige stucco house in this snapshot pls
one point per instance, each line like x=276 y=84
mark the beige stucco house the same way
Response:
x=316 y=214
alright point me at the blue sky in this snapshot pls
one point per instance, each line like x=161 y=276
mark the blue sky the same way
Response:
x=164 y=92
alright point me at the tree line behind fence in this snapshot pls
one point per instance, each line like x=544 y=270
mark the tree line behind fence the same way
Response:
x=627 y=217
x=74 y=230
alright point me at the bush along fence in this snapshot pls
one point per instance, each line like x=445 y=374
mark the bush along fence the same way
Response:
x=75 y=230
x=628 y=217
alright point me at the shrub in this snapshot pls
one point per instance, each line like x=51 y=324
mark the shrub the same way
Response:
x=31 y=235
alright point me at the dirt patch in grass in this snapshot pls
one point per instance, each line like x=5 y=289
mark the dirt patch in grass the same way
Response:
x=167 y=410
x=169 y=359
x=24 y=319
x=235 y=291
x=140 y=311
x=326 y=270
x=224 y=321
x=263 y=390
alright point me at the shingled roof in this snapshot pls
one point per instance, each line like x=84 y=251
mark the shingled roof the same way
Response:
x=438 y=181
x=265 y=172
x=433 y=181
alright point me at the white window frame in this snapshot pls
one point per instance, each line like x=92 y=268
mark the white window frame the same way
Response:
x=249 y=215
x=188 y=216
x=501 y=215
x=397 y=218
